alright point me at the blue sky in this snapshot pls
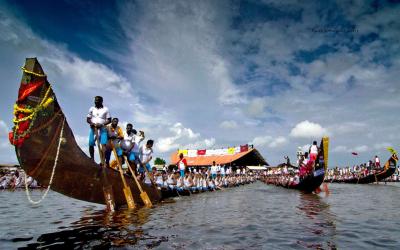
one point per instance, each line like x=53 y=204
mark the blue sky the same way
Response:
x=210 y=74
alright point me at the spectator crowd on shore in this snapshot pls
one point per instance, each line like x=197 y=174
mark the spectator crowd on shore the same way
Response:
x=15 y=179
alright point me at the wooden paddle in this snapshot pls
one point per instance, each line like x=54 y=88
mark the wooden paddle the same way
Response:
x=107 y=188
x=145 y=197
x=126 y=189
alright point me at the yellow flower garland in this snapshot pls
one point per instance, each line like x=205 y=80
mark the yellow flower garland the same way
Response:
x=32 y=73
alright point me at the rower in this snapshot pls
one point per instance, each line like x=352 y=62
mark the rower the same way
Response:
x=98 y=117
x=127 y=145
x=145 y=156
x=115 y=135
x=313 y=151
x=138 y=138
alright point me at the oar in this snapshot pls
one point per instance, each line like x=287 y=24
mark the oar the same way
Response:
x=126 y=189
x=145 y=197
x=107 y=188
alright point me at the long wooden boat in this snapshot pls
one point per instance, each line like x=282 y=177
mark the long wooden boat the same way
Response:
x=43 y=140
x=388 y=170
x=313 y=180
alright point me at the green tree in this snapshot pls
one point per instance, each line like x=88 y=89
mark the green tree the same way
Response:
x=159 y=161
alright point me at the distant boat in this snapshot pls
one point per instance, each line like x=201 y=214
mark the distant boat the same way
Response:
x=309 y=182
x=380 y=175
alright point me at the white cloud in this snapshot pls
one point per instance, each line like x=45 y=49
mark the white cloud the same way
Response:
x=182 y=137
x=3 y=128
x=347 y=127
x=306 y=129
x=256 y=107
x=86 y=76
x=269 y=141
x=278 y=142
x=345 y=149
x=360 y=148
x=383 y=145
x=4 y=143
x=83 y=142
x=340 y=149
x=228 y=124
x=305 y=147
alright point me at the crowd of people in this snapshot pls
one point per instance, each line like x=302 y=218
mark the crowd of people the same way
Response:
x=208 y=178
x=15 y=179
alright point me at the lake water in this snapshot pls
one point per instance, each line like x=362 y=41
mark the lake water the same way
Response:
x=255 y=216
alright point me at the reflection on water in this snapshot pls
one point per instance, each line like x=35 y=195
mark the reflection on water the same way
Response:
x=101 y=229
x=319 y=221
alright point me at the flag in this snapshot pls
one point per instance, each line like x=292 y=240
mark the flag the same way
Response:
x=201 y=151
x=231 y=151
x=354 y=153
x=183 y=151
x=244 y=148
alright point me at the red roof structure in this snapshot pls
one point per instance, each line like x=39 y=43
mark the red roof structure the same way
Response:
x=248 y=158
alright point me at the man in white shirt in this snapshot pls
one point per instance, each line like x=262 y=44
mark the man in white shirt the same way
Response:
x=145 y=155
x=377 y=162
x=213 y=170
x=98 y=117
x=313 y=151
x=127 y=145
x=137 y=138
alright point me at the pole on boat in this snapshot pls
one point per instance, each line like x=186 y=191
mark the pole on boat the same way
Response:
x=107 y=188
x=126 y=189
x=143 y=195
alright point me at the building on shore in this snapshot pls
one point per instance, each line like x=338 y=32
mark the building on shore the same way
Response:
x=238 y=157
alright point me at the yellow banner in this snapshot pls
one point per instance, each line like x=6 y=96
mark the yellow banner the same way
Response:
x=231 y=151
x=183 y=151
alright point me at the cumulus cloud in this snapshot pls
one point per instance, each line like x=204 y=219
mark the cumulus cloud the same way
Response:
x=256 y=107
x=182 y=137
x=228 y=124
x=4 y=135
x=383 y=145
x=307 y=129
x=269 y=141
x=345 y=149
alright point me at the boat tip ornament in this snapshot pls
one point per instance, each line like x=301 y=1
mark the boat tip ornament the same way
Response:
x=19 y=136
x=60 y=140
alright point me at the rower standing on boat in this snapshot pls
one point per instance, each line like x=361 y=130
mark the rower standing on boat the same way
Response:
x=377 y=162
x=115 y=135
x=98 y=117
x=313 y=151
x=145 y=156
x=128 y=144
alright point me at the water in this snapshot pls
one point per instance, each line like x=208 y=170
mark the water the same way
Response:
x=255 y=216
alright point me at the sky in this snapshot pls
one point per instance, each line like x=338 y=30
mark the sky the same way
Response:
x=211 y=74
